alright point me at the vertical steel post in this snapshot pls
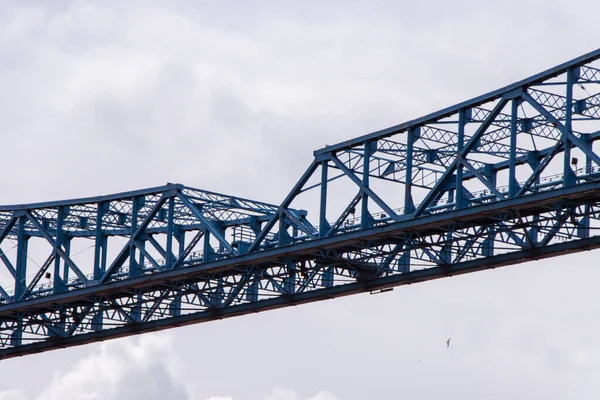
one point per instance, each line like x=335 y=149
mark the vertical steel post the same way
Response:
x=409 y=206
x=404 y=261
x=289 y=280
x=58 y=282
x=323 y=224
x=101 y=242
x=169 y=259
x=135 y=265
x=16 y=337
x=460 y=196
x=583 y=227
x=20 y=275
x=446 y=250
x=512 y=168
x=535 y=229
x=134 y=269
x=365 y=217
x=21 y=267
x=180 y=236
x=252 y=291
x=175 y=306
x=328 y=277
x=283 y=236
x=67 y=250
x=487 y=246
x=136 y=309
x=207 y=252
x=100 y=253
x=569 y=176
x=142 y=257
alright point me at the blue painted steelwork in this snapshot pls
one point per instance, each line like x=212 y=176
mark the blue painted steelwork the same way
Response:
x=506 y=177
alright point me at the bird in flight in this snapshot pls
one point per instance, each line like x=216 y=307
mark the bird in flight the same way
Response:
x=448 y=342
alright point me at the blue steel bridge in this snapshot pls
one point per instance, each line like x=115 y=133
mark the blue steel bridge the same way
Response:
x=506 y=177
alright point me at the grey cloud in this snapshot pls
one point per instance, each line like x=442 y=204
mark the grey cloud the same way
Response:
x=105 y=97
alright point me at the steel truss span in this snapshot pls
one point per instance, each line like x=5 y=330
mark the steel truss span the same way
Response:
x=506 y=177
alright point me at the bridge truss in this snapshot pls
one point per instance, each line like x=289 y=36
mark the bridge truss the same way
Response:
x=506 y=177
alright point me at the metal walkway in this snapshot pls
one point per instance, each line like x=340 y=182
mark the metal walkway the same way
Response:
x=506 y=177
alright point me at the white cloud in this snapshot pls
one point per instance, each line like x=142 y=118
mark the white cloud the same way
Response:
x=145 y=367
x=323 y=396
x=13 y=394
x=124 y=369
x=282 y=394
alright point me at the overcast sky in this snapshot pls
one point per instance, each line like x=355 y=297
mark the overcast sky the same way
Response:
x=233 y=96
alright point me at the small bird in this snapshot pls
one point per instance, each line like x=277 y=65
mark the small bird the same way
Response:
x=448 y=342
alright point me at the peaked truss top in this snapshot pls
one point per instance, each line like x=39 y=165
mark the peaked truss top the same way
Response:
x=587 y=74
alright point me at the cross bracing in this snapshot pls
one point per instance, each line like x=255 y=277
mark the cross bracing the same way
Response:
x=510 y=176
